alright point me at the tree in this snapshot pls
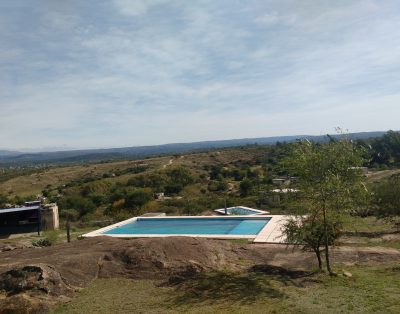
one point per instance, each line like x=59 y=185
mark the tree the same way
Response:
x=309 y=232
x=138 y=198
x=386 y=197
x=3 y=200
x=82 y=205
x=245 y=187
x=331 y=182
x=180 y=175
x=386 y=149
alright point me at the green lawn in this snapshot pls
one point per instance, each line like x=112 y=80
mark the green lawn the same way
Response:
x=370 y=290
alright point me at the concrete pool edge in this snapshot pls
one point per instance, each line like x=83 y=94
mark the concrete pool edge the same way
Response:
x=270 y=233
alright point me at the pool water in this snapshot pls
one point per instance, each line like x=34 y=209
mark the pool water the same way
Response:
x=187 y=226
x=241 y=211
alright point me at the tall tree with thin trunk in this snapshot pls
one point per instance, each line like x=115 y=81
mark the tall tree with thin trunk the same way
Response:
x=331 y=182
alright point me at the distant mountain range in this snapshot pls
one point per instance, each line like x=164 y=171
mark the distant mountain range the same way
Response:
x=8 y=157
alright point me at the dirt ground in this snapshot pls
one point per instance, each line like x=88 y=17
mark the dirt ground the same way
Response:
x=36 y=278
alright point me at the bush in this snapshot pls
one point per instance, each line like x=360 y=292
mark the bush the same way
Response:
x=69 y=214
x=245 y=187
x=41 y=242
x=180 y=175
x=52 y=236
x=138 y=198
x=82 y=205
x=173 y=188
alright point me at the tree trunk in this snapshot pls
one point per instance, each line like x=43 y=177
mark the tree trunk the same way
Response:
x=318 y=254
x=328 y=264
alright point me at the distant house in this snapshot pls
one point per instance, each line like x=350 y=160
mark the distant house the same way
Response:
x=159 y=196
x=33 y=217
x=276 y=195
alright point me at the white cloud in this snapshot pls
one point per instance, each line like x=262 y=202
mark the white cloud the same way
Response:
x=169 y=71
x=136 y=8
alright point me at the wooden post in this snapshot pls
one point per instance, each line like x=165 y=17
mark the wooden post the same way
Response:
x=39 y=218
x=68 y=232
x=226 y=209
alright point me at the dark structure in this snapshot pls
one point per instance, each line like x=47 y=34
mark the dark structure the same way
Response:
x=20 y=220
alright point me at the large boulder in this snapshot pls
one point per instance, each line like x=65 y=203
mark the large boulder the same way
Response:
x=32 y=289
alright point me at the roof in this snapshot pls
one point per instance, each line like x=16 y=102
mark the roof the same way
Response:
x=18 y=209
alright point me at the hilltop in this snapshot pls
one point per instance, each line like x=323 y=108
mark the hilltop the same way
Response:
x=96 y=155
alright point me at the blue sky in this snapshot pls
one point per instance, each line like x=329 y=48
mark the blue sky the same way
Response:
x=123 y=73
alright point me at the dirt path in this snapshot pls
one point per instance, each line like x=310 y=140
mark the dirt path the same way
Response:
x=168 y=164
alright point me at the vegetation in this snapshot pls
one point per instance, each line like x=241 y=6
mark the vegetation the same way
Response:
x=332 y=184
x=387 y=197
x=333 y=194
x=371 y=290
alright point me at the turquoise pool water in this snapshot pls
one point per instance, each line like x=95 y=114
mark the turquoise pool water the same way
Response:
x=206 y=226
x=241 y=211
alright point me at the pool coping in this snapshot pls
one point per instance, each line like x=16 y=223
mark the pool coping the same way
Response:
x=271 y=233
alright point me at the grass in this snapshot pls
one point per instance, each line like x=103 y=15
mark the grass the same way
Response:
x=370 y=290
x=371 y=224
x=55 y=236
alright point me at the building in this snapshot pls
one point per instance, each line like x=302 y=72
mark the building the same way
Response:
x=33 y=217
x=276 y=195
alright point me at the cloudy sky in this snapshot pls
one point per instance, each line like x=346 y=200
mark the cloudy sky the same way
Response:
x=128 y=72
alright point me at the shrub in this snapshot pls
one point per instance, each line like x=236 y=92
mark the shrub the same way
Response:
x=173 y=188
x=69 y=214
x=41 y=242
x=245 y=187
x=51 y=235
x=138 y=198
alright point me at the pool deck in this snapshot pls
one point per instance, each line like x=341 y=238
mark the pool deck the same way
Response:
x=271 y=233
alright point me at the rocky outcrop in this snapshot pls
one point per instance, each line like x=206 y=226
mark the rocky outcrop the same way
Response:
x=32 y=289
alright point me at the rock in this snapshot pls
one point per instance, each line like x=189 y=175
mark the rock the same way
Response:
x=40 y=278
x=347 y=274
x=23 y=304
x=32 y=289
x=8 y=247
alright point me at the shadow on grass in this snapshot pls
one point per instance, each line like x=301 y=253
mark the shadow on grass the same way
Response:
x=286 y=276
x=220 y=286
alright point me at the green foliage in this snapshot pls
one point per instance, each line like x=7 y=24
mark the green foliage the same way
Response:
x=41 y=242
x=137 y=198
x=173 y=188
x=309 y=231
x=386 y=149
x=180 y=175
x=52 y=236
x=69 y=214
x=217 y=186
x=331 y=183
x=3 y=200
x=82 y=205
x=386 y=197
x=329 y=174
x=155 y=180
x=245 y=187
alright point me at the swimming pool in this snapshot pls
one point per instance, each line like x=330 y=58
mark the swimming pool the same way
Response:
x=240 y=210
x=191 y=226
x=218 y=227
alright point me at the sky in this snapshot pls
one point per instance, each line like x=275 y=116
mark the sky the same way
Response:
x=96 y=73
